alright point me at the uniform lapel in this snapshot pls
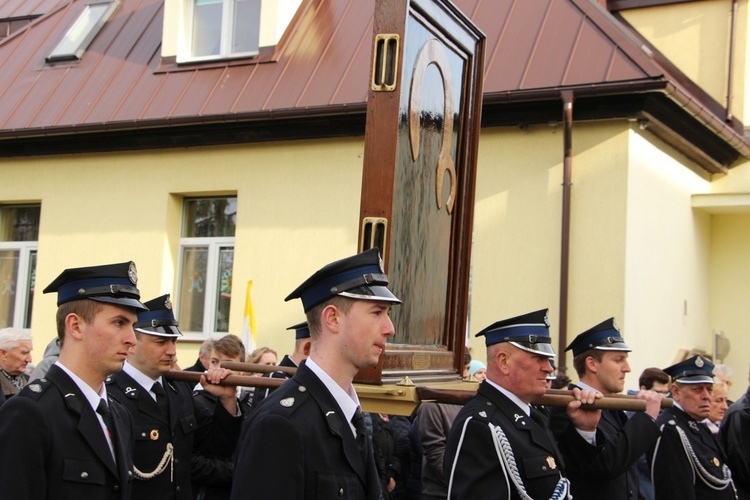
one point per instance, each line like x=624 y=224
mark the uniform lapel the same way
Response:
x=136 y=392
x=334 y=418
x=88 y=424
x=175 y=404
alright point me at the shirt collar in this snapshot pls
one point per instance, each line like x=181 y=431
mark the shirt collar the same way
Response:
x=143 y=380
x=90 y=394
x=347 y=401
x=518 y=401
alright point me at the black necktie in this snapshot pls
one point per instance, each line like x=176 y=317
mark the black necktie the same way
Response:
x=161 y=398
x=359 y=425
x=103 y=410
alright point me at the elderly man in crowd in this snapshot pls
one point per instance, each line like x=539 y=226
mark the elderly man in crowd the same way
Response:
x=687 y=461
x=15 y=354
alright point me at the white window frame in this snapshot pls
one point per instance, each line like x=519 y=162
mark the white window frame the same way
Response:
x=185 y=51
x=24 y=248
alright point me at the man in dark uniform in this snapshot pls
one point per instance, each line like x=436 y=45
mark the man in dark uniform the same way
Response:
x=687 y=461
x=499 y=446
x=69 y=440
x=169 y=424
x=603 y=464
x=302 y=345
x=734 y=436
x=308 y=438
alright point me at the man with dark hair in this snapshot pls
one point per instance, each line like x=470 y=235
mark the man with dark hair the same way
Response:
x=171 y=424
x=687 y=462
x=302 y=345
x=69 y=439
x=654 y=379
x=308 y=439
x=602 y=464
x=499 y=446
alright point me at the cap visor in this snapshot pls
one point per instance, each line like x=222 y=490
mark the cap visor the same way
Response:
x=161 y=331
x=371 y=293
x=541 y=348
x=616 y=346
x=695 y=379
x=120 y=301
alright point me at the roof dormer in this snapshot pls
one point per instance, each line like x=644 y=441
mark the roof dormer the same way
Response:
x=211 y=30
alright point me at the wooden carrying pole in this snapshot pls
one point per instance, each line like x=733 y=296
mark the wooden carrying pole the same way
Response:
x=235 y=380
x=256 y=368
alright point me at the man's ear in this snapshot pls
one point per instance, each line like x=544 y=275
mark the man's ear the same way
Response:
x=592 y=364
x=306 y=347
x=330 y=317
x=501 y=358
x=74 y=325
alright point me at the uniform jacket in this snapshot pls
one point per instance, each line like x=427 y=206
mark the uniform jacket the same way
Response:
x=472 y=466
x=60 y=451
x=734 y=436
x=260 y=393
x=672 y=471
x=609 y=469
x=298 y=444
x=190 y=426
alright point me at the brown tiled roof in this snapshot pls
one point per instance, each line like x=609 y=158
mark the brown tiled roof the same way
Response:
x=321 y=66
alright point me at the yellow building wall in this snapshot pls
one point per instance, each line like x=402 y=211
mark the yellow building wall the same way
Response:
x=695 y=37
x=298 y=205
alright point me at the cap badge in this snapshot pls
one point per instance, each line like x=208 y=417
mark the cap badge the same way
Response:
x=154 y=434
x=546 y=320
x=716 y=461
x=35 y=388
x=551 y=462
x=614 y=325
x=287 y=402
x=167 y=304
x=380 y=264
x=699 y=362
x=133 y=273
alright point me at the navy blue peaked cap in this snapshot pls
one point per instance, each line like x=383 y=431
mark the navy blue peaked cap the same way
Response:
x=695 y=370
x=529 y=332
x=604 y=337
x=159 y=320
x=110 y=283
x=302 y=330
x=358 y=277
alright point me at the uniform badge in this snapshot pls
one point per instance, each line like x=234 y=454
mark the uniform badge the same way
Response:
x=672 y=422
x=154 y=434
x=380 y=264
x=483 y=414
x=133 y=273
x=302 y=388
x=287 y=402
x=551 y=462
x=716 y=462
x=167 y=303
x=693 y=426
x=35 y=388
x=699 y=362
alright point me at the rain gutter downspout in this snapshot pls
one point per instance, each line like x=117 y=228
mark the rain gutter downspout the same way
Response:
x=730 y=71
x=567 y=97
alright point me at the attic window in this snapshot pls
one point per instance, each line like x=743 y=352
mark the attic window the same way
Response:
x=83 y=31
x=224 y=28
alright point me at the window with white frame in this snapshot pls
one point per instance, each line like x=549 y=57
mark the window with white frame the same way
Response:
x=83 y=31
x=223 y=28
x=19 y=232
x=205 y=266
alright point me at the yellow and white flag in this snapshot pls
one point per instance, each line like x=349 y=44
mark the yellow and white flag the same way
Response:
x=248 y=327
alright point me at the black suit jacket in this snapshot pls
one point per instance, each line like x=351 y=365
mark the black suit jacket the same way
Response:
x=471 y=463
x=190 y=427
x=609 y=469
x=298 y=444
x=672 y=472
x=60 y=451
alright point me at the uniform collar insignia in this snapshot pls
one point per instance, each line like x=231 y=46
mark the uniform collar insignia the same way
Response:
x=287 y=402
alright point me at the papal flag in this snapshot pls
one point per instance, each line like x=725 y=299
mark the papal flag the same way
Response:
x=248 y=327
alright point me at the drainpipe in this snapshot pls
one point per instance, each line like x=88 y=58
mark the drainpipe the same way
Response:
x=567 y=97
x=730 y=72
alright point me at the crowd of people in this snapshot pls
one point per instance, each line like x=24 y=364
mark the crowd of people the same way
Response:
x=98 y=417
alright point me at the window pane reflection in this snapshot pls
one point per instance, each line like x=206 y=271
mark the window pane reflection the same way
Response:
x=8 y=275
x=193 y=288
x=226 y=259
x=31 y=284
